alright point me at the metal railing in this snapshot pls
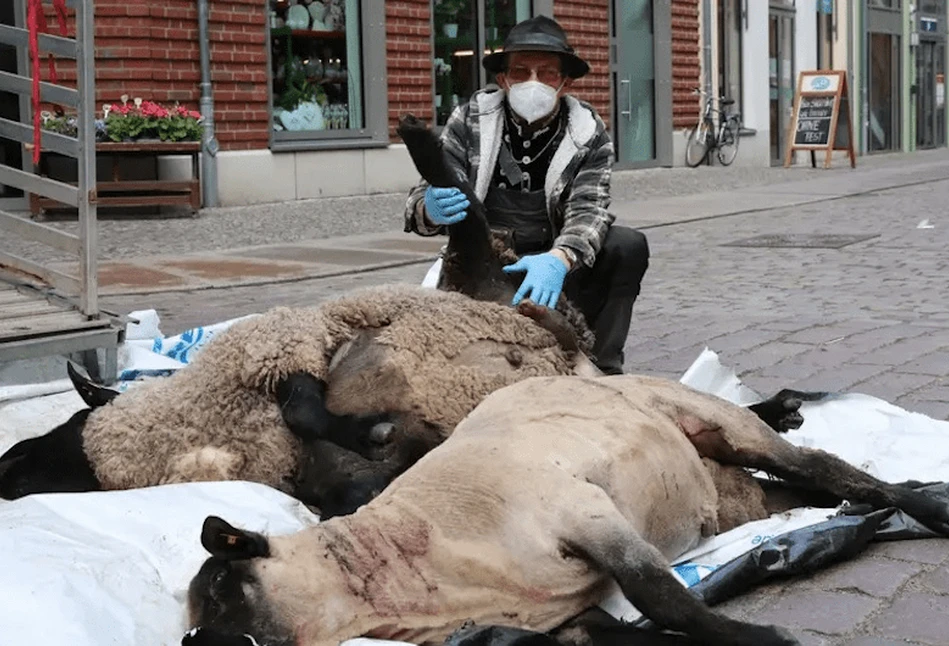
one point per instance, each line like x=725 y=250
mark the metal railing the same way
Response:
x=82 y=287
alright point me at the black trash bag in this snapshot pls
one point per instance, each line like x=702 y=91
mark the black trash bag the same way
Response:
x=598 y=631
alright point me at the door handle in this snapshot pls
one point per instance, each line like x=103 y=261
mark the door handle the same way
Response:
x=628 y=112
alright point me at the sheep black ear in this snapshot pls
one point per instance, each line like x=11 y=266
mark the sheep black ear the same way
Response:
x=225 y=541
x=92 y=393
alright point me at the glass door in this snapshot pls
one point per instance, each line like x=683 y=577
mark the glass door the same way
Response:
x=782 y=76
x=884 y=92
x=634 y=81
x=930 y=96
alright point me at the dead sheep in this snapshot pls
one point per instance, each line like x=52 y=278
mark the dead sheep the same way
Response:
x=257 y=391
x=548 y=492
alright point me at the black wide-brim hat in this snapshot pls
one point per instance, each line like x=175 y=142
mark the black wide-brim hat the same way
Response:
x=538 y=34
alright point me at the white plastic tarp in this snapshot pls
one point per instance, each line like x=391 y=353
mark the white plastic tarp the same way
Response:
x=113 y=567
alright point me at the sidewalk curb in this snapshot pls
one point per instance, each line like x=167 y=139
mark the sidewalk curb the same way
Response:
x=322 y=274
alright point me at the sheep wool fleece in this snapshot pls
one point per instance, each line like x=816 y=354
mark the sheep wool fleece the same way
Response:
x=218 y=419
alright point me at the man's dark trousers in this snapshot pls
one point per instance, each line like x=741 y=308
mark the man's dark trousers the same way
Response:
x=605 y=293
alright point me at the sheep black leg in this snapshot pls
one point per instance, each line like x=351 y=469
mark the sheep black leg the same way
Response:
x=594 y=530
x=302 y=401
x=768 y=451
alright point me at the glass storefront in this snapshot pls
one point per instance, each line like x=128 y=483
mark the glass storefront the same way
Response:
x=635 y=82
x=931 y=75
x=316 y=68
x=463 y=30
x=883 y=91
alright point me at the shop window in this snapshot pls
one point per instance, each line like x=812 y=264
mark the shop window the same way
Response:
x=318 y=61
x=885 y=4
x=464 y=30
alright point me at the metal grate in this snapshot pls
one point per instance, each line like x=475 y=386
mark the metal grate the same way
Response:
x=802 y=240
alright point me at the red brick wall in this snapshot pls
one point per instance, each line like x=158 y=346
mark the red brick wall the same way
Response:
x=587 y=23
x=686 y=64
x=409 y=60
x=150 y=50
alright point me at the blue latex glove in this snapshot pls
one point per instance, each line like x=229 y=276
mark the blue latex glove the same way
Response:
x=445 y=205
x=544 y=279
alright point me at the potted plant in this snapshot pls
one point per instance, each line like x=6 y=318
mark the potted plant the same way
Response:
x=448 y=10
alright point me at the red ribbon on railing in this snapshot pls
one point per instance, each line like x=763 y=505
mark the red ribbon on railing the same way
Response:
x=36 y=23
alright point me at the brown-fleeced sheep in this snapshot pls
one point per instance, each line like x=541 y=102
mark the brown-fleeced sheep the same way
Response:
x=266 y=386
x=550 y=490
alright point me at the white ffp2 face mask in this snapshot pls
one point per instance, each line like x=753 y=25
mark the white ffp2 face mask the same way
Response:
x=532 y=100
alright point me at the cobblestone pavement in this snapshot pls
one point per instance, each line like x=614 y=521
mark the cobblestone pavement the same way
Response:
x=870 y=317
x=230 y=227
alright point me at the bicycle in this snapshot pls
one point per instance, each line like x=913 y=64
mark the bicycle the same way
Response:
x=705 y=137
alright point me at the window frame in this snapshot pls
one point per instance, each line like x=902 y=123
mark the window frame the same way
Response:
x=375 y=130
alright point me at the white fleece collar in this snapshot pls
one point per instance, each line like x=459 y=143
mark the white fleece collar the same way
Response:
x=581 y=128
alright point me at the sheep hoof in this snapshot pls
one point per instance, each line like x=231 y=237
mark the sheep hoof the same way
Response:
x=782 y=411
x=381 y=433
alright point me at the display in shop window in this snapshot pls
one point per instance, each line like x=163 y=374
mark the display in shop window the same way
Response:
x=313 y=46
x=458 y=45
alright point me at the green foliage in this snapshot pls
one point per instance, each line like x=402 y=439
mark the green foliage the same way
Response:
x=179 y=128
x=128 y=127
x=298 y=87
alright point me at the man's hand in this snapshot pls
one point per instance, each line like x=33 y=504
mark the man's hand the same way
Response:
x=445 y=205
x=544 y=279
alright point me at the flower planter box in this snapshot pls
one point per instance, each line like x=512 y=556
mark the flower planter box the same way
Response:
x=114 y=191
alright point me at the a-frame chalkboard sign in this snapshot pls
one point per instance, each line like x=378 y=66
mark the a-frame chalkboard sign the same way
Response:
x=821 y=117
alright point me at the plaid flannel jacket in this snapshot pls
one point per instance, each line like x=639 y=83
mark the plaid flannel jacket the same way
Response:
x=577 y=185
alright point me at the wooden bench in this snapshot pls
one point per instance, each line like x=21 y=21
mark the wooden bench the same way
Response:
x=114 y=191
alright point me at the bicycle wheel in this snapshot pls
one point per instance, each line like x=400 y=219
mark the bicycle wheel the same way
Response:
x=697 y=147
x=728 y=145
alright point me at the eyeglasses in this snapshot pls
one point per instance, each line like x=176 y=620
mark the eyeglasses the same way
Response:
x=548 y=75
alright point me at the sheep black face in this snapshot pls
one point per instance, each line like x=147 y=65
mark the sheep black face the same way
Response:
x=55 y=462
x=226 y=601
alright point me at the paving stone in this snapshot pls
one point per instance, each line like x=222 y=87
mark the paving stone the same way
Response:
x=875 y=577
x=878 y=641
x=917 y=616
x=935 y=580
x=932 y=551
x=872 y=342
x=825 y=612
x=891 y=384
x=936 y=410
x=764 y=355
x=839 y=379
x=823 y=334
x=932 y=363
x=937 y=391
x=900 y=353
